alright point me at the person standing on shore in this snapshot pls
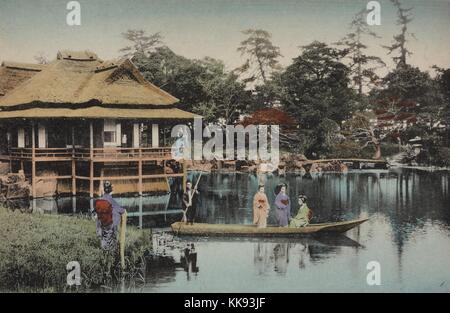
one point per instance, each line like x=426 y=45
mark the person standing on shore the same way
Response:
x=260 y=208
x=283 y=205
x=109 y=214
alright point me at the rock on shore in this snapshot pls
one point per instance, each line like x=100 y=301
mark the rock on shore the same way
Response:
x=14 y=186
x=289 y=162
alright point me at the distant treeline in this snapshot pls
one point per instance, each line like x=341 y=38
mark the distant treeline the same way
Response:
x=332 y=90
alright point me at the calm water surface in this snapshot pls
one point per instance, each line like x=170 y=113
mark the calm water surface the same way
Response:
x=408 y=234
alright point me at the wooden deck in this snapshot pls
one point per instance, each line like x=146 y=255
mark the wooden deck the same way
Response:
x=93 y=156
x=86 y=154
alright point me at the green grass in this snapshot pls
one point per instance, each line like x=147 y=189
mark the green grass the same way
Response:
x=35 y=250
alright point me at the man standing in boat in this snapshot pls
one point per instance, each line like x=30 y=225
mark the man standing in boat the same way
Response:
x=189 y=203
x=260 y=208
x=283 y=205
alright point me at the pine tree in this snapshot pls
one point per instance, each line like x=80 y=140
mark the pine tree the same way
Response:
x=404 y=17
x=362 y=66
x=261 y=56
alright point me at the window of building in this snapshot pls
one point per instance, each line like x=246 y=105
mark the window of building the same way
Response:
x=111 y=133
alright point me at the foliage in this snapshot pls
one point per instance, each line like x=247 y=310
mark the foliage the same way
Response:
x=202 y=86
x=269 y=94
x=362 y=66
x=442 y=157
x=270 y=116
x=316 y=91
x=412 y=96
x=352 y=149
x=404 y=17
x=323 y=88
x=260 y=56
x=443 y=83
x=35 y=249
x=141 y=43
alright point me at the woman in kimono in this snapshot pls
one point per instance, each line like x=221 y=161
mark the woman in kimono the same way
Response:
x=283 y=205
x=260 y=208
x=304 y=214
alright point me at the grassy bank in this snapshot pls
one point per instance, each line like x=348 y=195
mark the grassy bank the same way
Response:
x=35 y=250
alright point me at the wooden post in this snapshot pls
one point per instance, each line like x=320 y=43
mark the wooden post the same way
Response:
x=164 y=136
x=140 y=171
x=74 y=181
x=184 y=175
x=91 y=160
x=33 y=162
x=165 y=173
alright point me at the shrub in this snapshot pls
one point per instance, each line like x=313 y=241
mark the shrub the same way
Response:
x=352 y=149
x=443 y=157
x=389 y=149
x=35 y=250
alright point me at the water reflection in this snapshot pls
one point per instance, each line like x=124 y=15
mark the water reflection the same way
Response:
x=275 y=255
x=408 y=231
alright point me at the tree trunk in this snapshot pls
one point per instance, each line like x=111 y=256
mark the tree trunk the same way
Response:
x=377 y=154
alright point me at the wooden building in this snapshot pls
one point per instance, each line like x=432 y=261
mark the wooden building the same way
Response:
x=79 y=120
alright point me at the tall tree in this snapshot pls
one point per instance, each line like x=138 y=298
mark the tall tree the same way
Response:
x=203 y=86
x=362 y=66
x=316 y=92
x=261 y=56
x=398 y=46
x=173 y=73
x=402 y=91
x=226 y=99
x=408 y=99
x=141 y=43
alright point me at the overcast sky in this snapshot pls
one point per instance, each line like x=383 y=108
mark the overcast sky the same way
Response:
x=198 y=28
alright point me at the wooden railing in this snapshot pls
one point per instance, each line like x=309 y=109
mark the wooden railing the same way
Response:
x=40 y=152
x=124 y=153
x=95 y=153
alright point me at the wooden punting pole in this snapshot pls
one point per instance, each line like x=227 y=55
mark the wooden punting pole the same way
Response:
x=184 y=174
x=91 y=160
x=33 y=162
x=140 y=171
x=74 y=176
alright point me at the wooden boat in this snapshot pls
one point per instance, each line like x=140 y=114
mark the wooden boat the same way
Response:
x=203 y=229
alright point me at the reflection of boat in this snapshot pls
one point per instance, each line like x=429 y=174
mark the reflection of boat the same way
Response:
x=251 y=230
x=319 y=239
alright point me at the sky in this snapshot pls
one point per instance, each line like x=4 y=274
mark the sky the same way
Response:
x=199 y=28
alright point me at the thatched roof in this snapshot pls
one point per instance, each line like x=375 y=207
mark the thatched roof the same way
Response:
x=13 y=74
x=99 y=112
x=80 y=77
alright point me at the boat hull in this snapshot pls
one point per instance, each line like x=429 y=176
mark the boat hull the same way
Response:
x=203 y=229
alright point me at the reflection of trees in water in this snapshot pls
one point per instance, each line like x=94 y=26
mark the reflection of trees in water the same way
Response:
x=407 y=198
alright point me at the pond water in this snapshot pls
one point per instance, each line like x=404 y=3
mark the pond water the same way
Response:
x=408 y=234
